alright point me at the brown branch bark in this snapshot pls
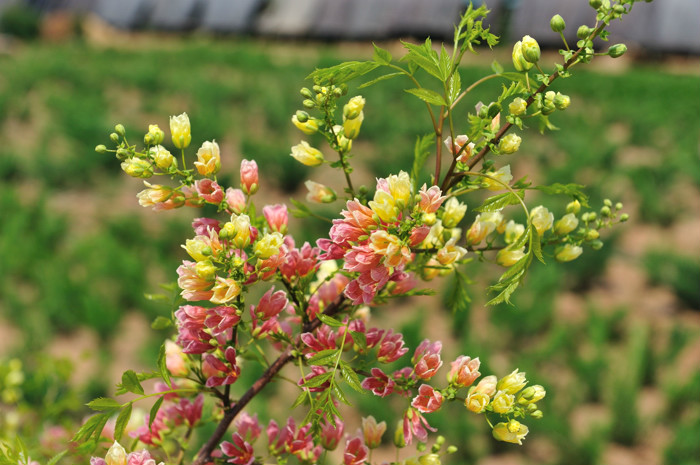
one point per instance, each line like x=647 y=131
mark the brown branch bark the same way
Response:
x=204 y=454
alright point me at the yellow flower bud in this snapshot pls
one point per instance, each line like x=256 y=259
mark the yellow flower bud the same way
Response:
x=180 y=130
x=477 y=401
x=205 y=270
x=225 y=290
x=116 y=455
x=354 y=107
x=162 y=157
x=532 y=394
x=384 y=206
x=208 y=158
x=519 y=61
x=319 y=193
x=509 y=144
x=351 y=127
x=567 y=252
x=400 y=188
x=562 y=101
x=573 y=207
x=307 y=155
x=310 y=126
x=138 y=168
x=503 y=175
x=530 y=49
x=155 y=134
x=565 y=224
x=541 y=219
x=268 y=245
x=512 y=383
x=509 y=257
x=517 y=107
x=239 y=230
x=513 y=432
x=453 y=213
x=502 y=402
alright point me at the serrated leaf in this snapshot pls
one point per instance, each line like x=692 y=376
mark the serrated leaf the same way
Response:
x=427 y=95
x=381 y=55
x=423 y=56
x=574 y=190
x=340 y=395
x=300 y=399
x=329 y=320
x=163 y=366
x=497 y=67
x=302 y=210
x=154 y=410
x=122 y=421
x=130 y=382
x=161 y=322
x=54 y=460
x=102 y=404
x=324 y=357
x=343 y=72
x=504 y=296
x=317 y=381
x=379 y=79
x=421 y=151
x=455 y=86
x=458 y=299
x=351 y=377
x=544 y=124
x=100 y=427
x=536 y=244
x=445 y=64
x=88 y=428
x=360 y=339
x=513 y=76
x=498 y=202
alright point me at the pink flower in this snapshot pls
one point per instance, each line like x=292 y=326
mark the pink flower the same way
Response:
x=221 y=319
x=175 y=360
x=315 y=372
x=299 y=262
x=235 y=198
x=418 y=235
x=373 y=431
x=142 y=457
x=151 y=435
x=191 y=335
x=228 y=372
x=391 y=348
x=277 y=217
x=249 y=176
x=426 y=359
x=379 y=383
x=191 y=412
x=202 y=226
x=248 y=426
x=430 y=199
x=464 y=371
x=330 y=434
x=428 y=399
x=414 y=424
x=356 y=453
x=271 y=304
x=324 y=339
x=241 y=452
x=209 y=190
x=193 y=287
x=404 y=282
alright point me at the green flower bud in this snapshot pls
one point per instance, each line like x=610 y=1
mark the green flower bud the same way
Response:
x=592 y=235
x=493 y=110
x=562 y=101
x=138 y=168
x=114 y=137
x=595 y=3
x=308 y=103
x=617 y=50
x=624 y=217
x=122 y=154
x=607 y=202
x=430 y=459
x=306 y=92
x=619 y=9
x=509 y=144
x=302 y=116
x=618 y=206
x=596 y=245
x=119 y=129
x=451 y=449
x=583 y=32
x=399 y=439
x=100 y=149
x=519 y=61
x=557 y=23
x=530 y=49
x=605 y=211
x=537 y=414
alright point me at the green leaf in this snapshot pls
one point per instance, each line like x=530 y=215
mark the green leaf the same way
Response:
x=379 y=79
x=381 y=56
x=421 y=151
x=498 y=202
x=324 y=357
x=163 y=366
x=89 y=427
x=360 y=339
x=536 y=244
x=544 y=124
x=300 y=399
x=329 y=320
x=445 y=64
x=302 y=211
x=423 y=56
x=130 y=382
x=573 y=190
x=343 y=72
x=351 y=377
x=54 y=460
x=428 y=95
x=154 y=410
x=316 y=381
x=458 y=299
x=161 y=322
x=496 y=67
x=513 y=76
x=339 y=394
x=102 y=404
x=122 y=420
x=455 y=87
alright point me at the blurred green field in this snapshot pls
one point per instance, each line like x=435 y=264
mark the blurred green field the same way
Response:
x=614 y=336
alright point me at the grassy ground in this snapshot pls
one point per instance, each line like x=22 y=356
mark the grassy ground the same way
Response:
x=614 y=336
